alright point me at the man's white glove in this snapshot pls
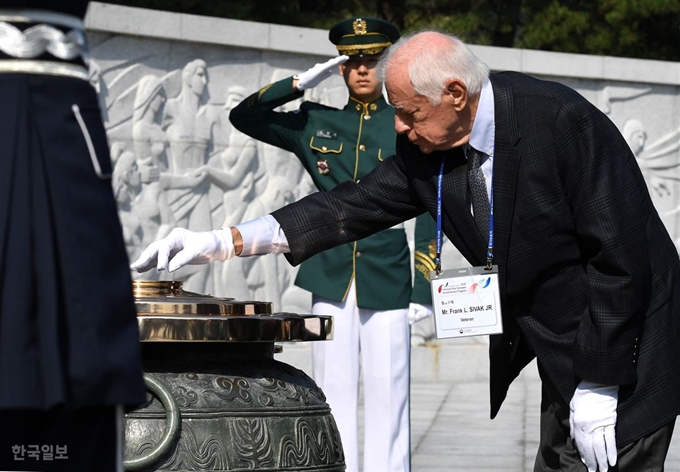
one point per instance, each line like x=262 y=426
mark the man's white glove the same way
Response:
x=592 y=422
x=182 y=247
x=314 y=76
x=417 y=312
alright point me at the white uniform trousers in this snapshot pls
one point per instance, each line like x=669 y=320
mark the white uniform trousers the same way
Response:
x=381 y=340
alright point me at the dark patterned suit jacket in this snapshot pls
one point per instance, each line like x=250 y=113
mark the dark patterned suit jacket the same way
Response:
x=589 y=275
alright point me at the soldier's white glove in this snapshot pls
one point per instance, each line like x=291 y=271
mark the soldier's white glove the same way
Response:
x=182 y=247
x=314 y=76
x=592 y=422
x=417 y=312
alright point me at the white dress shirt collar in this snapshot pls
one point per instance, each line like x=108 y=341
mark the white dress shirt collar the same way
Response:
x=483 y=131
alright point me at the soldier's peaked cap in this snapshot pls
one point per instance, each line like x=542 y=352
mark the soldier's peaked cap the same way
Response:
x=363 y=36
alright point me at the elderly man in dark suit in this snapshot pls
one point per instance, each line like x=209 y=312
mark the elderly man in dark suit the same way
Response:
x=588 y=275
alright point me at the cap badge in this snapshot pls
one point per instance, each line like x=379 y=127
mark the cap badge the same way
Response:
x=359 y=26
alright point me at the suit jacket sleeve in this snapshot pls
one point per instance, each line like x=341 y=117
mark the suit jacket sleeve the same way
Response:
x=349 y=212
x=611 y=213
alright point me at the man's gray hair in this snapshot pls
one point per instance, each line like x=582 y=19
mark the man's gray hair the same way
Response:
x=430 y=68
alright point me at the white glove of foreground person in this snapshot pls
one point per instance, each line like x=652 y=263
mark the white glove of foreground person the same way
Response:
x=320 y=72
x=182 y=247
x=592 y=422
x=417 y=312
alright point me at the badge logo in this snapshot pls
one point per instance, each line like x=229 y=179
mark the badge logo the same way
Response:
x=475 y=287
x=323 y=167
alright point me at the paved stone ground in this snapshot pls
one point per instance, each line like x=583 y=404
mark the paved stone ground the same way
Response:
x=450 y=426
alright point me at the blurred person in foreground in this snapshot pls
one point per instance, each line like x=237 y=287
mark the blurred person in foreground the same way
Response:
x=588 y=275
x=69 y=345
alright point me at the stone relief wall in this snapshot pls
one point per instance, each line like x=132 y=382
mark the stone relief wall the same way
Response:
x=179 y=162
x=647 y=115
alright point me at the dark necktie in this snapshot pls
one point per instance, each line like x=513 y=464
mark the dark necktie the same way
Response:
x=478 y=193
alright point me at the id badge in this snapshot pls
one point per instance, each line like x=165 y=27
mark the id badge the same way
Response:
x=466 y=302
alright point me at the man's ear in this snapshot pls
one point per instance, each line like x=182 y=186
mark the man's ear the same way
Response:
x=456 y=94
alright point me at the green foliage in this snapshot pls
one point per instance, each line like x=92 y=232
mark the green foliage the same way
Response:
x=632 y=28
x=489 y=22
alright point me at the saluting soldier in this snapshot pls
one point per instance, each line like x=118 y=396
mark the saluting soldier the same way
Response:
x=365 y=285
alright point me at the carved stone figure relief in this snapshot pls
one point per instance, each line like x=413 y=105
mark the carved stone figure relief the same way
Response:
x=179 y=162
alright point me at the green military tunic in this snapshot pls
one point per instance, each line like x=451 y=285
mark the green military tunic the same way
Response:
x=335 y=146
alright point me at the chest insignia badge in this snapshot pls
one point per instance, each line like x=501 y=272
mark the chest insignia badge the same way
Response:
x=323 y=167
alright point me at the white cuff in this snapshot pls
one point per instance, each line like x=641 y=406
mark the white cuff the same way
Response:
x=262 y=236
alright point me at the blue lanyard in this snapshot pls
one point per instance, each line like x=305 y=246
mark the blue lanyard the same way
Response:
x=489 y=247
x=438 y=258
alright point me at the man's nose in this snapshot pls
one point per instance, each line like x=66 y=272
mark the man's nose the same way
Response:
x=400 y=126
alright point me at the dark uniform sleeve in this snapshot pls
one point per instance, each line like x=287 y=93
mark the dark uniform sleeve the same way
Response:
x=255 y=116
x=424 y=254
